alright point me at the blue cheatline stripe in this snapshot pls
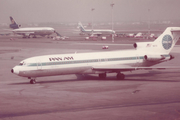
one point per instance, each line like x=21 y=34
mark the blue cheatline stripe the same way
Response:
x=85 y=61
x=89 y=61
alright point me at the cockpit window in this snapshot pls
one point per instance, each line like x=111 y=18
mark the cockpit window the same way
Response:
x=22 y=63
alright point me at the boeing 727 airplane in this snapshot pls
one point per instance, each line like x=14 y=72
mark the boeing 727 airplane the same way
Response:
x=144 y=56
x=30 y=31
x=97 y=32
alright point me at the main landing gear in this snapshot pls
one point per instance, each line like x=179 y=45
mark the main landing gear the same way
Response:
x=119 y=76
x=102 y=76
x=34 y=36
x=33 y=80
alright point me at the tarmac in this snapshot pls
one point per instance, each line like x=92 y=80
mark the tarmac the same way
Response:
x=143 y=95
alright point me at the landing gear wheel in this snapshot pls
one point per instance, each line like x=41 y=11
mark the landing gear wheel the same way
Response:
x=32 y=81
x=120 y=76
x=102 y=76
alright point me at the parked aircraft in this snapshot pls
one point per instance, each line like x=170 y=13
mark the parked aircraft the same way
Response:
x=152 y=35
x=131 y=35
x=30 y=31
x=139 y=35
x=148 y=36
x=94 y=32
x=143 y=57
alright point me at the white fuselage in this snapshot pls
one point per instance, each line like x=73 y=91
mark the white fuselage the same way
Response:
x=34 y=31
x=144 y=55
x=99 y=31
x=81 y=63
x=95 y=31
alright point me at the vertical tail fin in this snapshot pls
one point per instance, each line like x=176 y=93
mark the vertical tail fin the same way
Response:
x=12 y=20
x=166 y=41
x=81 y=26
x=13 y=24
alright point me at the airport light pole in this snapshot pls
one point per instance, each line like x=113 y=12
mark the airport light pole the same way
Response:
x=112 y=24
x=92 y=19
x=149 y=22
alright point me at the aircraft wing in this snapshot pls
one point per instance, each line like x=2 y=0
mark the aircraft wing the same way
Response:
x=128 y=68
x=4 y=33
x=97 y=33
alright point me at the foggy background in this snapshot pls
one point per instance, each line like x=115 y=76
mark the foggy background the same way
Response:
x=36 y=11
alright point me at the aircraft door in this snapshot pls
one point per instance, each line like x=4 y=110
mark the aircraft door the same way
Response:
x=99 y=61
x=39 y=65
x=137 y=60
x=102 y=61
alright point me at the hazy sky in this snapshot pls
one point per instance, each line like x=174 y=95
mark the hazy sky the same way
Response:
x=80 y=10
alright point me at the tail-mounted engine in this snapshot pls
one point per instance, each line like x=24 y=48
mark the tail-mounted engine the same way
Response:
x=154 y=58
x=14 y=26
x=138 y=45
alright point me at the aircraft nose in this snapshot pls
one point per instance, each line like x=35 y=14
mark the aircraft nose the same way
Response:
x=12 y=70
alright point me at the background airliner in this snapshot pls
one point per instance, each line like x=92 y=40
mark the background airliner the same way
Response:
x=97 y=32
x=144 y=56
x=30 y=31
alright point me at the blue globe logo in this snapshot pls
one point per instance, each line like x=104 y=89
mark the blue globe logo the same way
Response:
x=167 y=42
